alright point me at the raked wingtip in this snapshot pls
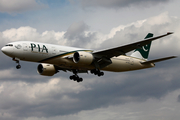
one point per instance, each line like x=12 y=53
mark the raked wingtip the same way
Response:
x=168 y=33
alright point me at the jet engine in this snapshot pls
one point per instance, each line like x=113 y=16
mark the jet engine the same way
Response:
x=84 y=58
x=46 y=69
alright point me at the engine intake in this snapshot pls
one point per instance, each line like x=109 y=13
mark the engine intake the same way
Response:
x=46 y=69
x=84 y=58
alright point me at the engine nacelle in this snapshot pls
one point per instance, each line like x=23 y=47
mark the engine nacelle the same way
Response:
x=46 y=69
x=84 y=58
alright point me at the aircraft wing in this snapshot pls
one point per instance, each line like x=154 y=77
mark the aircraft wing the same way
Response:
x=122 y=50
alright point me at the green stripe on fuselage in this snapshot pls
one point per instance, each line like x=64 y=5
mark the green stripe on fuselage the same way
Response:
x=62 y=55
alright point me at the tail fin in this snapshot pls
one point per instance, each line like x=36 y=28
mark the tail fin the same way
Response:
x=143 y=52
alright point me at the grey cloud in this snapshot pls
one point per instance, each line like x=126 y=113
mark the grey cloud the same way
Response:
x=75 y=30
x=106 y=91
x=119 y=3
x=19 y=6
x=161 y=25
x=178 y=99
x=78 y=34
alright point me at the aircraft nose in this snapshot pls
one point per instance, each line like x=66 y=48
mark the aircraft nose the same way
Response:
x=6 y=51
x=3 y=49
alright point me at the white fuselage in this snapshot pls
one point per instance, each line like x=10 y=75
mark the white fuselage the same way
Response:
x=62 y=56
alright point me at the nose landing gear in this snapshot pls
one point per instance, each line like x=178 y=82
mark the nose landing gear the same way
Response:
x=18 y=64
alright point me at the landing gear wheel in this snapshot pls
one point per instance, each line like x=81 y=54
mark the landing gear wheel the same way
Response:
x=71 y=77
x=80 y=80
x=18 y=66
x=76 y=78
x=97 y=72
x=101 y=73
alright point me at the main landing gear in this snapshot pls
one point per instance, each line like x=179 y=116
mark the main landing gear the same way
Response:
x=18 y=64
x=97 y=72
x=75 y=77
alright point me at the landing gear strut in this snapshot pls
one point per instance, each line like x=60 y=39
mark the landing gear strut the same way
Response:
x=75 y=77
x=18 y=64
x=97 y=72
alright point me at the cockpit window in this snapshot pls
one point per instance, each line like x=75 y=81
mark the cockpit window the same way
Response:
x=9 y=45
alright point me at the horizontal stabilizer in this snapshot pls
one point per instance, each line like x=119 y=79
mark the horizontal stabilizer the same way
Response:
x=158 y=60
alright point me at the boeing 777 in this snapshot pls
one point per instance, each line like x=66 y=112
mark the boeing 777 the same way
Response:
x=53 y=58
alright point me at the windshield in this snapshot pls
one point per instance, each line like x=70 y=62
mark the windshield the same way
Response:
x=9 y=45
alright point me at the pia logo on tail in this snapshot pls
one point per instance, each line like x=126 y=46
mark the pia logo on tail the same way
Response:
x=146 y=48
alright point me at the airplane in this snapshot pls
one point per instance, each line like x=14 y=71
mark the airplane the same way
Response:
x=55 y=58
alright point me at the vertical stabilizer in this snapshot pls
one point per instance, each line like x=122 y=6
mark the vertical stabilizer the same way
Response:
x=143 y=52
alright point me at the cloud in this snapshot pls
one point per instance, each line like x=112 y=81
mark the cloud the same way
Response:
x=60 y=97
x=79 y=35
x=19 y=6
x=178 y=98
x=27 y=33
x=76 y=29
x=136 y=31
x=75 y=34
x=118 y=3
x=157 y=109
x=18 y=96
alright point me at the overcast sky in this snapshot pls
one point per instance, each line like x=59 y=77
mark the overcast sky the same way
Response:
x=96 y=24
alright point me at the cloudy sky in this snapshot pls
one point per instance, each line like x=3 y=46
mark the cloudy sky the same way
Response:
x=96 y=24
